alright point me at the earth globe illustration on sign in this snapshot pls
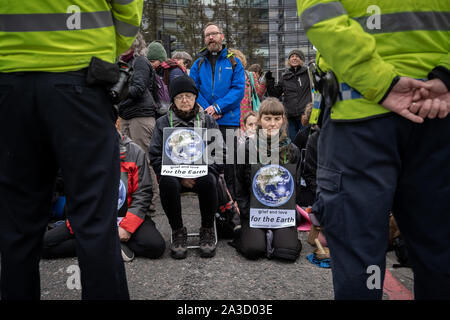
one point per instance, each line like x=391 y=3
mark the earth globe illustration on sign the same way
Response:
x=184 y=146
x=122 y=195
x=273 y=185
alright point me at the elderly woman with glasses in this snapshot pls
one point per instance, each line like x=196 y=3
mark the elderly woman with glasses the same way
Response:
x=186 y=112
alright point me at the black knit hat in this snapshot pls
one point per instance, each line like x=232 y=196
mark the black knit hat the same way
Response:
x=298 y=53
x=182 y=84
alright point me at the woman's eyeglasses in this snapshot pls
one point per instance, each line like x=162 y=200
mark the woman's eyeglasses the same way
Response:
x=187 y=96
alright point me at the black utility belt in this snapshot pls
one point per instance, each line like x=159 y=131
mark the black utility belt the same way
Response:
x=79 y=73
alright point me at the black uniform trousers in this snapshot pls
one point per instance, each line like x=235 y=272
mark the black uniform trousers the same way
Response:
x=365 y=170
x=51 y=121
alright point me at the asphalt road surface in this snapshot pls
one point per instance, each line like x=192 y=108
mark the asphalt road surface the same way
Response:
x=227 y=276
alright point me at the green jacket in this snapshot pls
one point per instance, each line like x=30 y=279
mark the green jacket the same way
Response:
x=63 y=35
x=367 y=43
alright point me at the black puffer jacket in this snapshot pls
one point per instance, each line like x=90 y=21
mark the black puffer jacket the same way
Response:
x=156 y=144
x=139 y=102
x=244 y=177
x=295 y=87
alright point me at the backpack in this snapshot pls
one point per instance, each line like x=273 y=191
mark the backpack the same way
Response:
x=228 y=222
x=163 y=98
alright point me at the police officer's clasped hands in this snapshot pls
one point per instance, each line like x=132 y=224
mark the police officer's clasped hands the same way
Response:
x=432 y=102
x=416 y=100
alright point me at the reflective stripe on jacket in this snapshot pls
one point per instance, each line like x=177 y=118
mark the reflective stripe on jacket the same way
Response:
x=63 y=35
x=369 y=42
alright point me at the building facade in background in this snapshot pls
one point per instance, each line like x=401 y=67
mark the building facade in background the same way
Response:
x=264 y=30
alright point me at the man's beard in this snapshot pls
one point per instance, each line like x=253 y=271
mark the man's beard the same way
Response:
x=214 y=46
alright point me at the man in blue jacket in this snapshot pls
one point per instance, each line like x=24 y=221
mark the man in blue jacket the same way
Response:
x=220 y=78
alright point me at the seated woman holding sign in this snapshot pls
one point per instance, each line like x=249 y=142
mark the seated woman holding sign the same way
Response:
x=265 y=189
x=175 y=147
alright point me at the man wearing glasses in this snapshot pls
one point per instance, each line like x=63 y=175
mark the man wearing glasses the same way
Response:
x=220 y=79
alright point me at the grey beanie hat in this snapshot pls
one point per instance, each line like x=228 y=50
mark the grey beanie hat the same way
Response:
x=297 y=52
x=182 y=55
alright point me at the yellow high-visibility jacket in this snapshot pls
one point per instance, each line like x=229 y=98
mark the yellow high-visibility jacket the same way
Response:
x=63 y=35
x=367 y=43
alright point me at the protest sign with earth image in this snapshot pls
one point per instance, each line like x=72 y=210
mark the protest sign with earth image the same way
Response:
x=272 y=204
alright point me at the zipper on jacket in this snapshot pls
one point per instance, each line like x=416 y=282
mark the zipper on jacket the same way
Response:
x=212 y=84
x=220 y=71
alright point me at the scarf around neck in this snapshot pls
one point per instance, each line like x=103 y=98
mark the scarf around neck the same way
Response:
x=265 y=142
x=185 y=118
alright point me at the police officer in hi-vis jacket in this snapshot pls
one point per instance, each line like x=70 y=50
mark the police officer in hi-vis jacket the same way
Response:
x=385 y=140
x=54 y=119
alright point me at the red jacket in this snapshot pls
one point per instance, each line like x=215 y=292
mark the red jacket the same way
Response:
x=135 y=174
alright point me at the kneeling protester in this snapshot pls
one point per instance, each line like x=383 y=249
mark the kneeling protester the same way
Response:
x=265 y=189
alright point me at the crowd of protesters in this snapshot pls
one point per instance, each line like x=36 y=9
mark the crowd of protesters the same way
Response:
x=237 y=102
x=255 y=115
